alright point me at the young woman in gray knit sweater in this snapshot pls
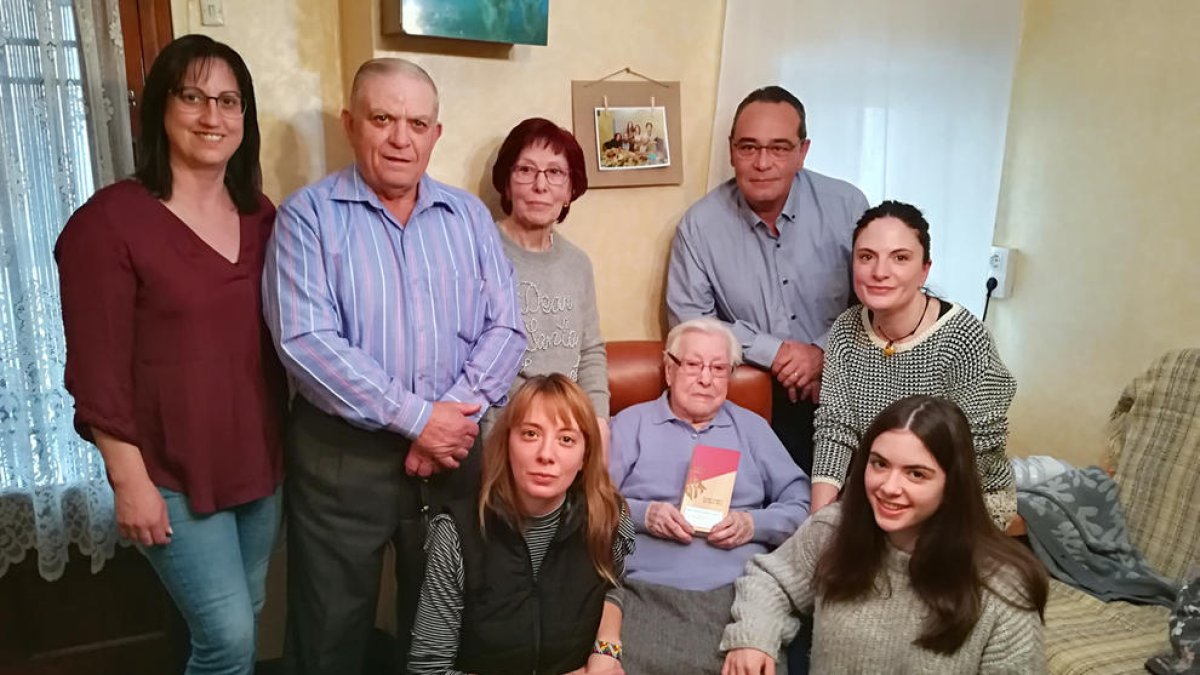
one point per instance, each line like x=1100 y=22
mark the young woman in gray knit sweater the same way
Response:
x=906 y=574
x=903 y=341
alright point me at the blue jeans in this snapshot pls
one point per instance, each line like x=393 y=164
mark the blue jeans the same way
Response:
x=215 y=569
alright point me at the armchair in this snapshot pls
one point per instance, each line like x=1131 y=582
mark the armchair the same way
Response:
x=1154 y=454
x=636 y=374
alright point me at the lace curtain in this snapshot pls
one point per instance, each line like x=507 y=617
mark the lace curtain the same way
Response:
x=64 y=130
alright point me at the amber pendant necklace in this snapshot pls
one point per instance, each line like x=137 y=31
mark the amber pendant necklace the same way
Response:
x=890 y=348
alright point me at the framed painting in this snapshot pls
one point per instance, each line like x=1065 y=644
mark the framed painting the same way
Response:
x=505 y=21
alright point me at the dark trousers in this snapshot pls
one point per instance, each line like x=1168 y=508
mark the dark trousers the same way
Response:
x=347 y=497
x=793 y=424
x=800 y=651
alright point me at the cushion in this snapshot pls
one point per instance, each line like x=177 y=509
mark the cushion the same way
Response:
x=1086 y=635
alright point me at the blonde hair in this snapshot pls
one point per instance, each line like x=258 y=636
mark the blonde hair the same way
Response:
x=560 y=398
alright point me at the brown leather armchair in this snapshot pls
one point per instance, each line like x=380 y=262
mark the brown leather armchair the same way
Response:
x=636 y=374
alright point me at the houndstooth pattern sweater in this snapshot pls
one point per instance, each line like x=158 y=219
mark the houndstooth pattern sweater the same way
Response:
x=875 y=634
x=954 y=358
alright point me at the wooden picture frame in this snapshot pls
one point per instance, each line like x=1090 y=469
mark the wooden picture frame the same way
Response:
x=653 y=159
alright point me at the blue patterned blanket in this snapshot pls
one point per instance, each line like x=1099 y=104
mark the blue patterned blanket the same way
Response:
x=1077 y=530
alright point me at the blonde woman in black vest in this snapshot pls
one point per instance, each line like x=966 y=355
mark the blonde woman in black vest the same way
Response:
x=528 y=577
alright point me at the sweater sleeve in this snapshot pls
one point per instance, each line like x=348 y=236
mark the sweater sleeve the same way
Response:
x=593 y=359
x=98 y=288
x=1015 y=645
x=981 y=385
x=439 y=610
x=775 y=586
x=835 y=437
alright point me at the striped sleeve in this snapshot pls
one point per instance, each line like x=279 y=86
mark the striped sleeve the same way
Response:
x=440 y=607
x=495 y=357
x=301 y=312
x=623 y=545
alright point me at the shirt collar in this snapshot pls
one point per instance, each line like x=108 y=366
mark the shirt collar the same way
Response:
x=788 y=213
x=662 y=414
x=349 y=186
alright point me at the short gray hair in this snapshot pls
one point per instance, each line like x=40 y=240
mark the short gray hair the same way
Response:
x=711 y=326
x=391 y=65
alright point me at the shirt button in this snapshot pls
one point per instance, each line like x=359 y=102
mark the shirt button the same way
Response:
x=694 y=436
x=793 y=317
x=778 y=245
x=785 y=282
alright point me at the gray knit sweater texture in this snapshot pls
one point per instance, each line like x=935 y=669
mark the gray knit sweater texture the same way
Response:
x=874 y=634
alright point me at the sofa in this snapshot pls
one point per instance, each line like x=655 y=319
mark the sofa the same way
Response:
x=1154 y=455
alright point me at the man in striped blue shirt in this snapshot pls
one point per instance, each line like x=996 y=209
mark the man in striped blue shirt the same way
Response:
x=393 y=308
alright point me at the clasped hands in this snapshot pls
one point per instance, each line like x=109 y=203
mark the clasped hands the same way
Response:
x=445 y=441
x=665 y=521
x=797 y=366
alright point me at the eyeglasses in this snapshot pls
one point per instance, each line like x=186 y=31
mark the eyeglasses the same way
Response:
x=193 y=100
x=693 y=368
x=525 y=174
x=750 y=149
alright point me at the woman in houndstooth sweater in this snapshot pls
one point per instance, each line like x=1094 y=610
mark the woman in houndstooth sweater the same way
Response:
x=903 y=341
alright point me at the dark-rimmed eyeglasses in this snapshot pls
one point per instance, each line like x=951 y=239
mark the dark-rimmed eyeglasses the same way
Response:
x=194 y=100
x=525 y=174
x=750 y=149
x=694 y=368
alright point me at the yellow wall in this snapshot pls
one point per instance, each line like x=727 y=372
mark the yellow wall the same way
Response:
x=291 y=48
x=1100 y=197
x=303 y=52
x=626 y=231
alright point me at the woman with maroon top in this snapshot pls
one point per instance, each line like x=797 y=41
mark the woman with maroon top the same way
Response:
x=168 y=360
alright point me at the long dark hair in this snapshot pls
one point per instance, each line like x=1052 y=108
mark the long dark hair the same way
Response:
x=565 y=400
x=243 y=176
x=959 y=547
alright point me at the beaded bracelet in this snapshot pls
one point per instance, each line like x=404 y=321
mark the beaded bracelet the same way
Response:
x=607 y=648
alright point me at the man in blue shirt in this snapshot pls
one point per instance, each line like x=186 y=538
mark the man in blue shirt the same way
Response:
x=768 y=252
x=393 y=309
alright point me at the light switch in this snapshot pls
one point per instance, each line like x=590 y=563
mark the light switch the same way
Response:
x=212 y=13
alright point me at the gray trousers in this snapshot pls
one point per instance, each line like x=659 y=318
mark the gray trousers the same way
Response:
x=346 y=498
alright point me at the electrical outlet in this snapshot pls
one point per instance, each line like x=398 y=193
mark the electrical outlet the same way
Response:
x=212 y=13
x=1000 y=264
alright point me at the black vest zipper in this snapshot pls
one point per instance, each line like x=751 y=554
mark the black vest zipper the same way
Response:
x=537 y=608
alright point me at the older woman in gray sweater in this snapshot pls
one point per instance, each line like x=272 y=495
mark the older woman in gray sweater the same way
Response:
x=539 y=171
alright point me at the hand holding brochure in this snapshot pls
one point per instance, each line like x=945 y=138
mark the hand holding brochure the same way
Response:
x=708 y=490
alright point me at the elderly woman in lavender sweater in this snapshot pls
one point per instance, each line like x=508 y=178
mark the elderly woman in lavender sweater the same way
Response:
x=679 y=580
